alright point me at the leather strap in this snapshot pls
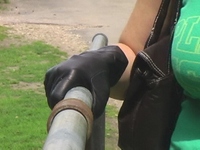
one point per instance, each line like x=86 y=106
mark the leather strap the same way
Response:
x=165 y=21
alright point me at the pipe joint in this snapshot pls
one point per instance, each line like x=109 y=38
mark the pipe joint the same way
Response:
x=73 y=104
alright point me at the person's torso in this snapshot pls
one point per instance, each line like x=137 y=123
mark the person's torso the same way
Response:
x=186 y=67
x=186 y=48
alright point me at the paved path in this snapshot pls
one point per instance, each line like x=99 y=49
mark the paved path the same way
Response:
x=106 y=16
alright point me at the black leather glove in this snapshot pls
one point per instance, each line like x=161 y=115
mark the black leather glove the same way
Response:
x=96 y=70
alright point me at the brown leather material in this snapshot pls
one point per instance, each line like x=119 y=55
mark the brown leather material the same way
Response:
x=169 y=21
x=158 y=23
x=156 y=57
x=164 y=21
x=150 y=110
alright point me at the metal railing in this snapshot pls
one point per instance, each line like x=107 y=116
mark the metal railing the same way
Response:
x=71 y=125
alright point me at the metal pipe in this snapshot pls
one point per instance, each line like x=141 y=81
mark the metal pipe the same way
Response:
x=99 y=40
x=97 y=138
x=69 y=126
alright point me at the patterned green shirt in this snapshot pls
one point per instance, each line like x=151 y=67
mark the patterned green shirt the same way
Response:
x=186 y=48
x=186 y=67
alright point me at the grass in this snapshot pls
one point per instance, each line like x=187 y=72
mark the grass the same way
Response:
x=2 y=4
x=3 y=33
x=23 y=106
x=111 y=128
x=4 y=1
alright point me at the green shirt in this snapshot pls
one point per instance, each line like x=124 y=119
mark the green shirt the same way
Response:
x=186 y=48
x=186 y=67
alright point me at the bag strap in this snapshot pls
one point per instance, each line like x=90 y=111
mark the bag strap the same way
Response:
x=165 y=21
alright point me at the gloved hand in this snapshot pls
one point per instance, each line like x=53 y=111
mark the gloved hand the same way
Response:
x=95 y=70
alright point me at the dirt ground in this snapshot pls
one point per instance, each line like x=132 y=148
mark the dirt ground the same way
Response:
x=69 y=25
x=87 y=17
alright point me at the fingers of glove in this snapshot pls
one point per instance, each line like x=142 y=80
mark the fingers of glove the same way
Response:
x=48 y=81
x=73 y=79
x=54 y=75
x=51 y=78
x=100 y=92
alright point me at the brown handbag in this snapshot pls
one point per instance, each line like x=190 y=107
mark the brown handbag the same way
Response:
x=149 y=112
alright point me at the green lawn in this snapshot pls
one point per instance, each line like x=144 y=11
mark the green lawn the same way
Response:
x=23 y=106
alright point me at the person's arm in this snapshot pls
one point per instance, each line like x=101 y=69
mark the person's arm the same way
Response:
x=100 y=70
x=133 y=39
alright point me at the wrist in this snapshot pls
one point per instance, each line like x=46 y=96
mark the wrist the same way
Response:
x=118 y=91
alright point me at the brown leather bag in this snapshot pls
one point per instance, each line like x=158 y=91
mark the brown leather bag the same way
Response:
x=152 y=104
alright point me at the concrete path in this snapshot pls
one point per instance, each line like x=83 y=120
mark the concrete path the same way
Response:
x=106 y=16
